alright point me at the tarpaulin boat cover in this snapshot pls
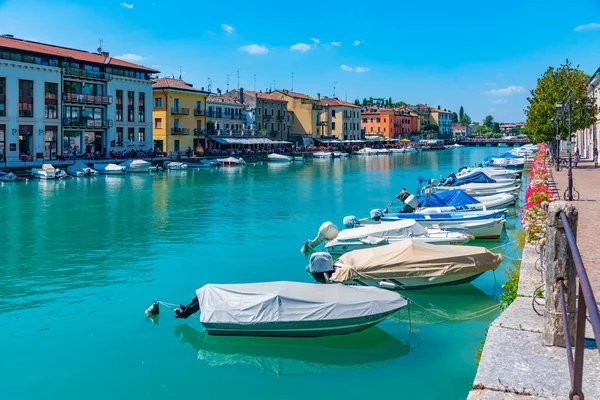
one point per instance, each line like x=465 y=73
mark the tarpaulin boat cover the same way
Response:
x=446 y=199
x=403 y=228
x=476 y=177
x=505 y=155
x=410 y=259
x=275 y=302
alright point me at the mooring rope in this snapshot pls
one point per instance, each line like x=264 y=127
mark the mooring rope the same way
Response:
x=464 y=317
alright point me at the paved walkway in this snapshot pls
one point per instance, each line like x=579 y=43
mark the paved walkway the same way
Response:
x=586 y=180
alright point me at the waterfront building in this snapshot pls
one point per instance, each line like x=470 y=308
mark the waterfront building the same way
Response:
x=179 y=113
x=459 y=130
x=57 y=100
x=588 y=139
x=225 y=114
x=430 y=116
x=304 y=112
x=266 y=112
x=389 y=122
x=340 y=119
x=408 y=121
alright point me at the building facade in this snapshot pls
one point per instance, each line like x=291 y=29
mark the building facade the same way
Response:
x=304 y=112
x=179 y=115
x=266 y=111
x=378 y=121
x=225 y=114
x=459 y=130
x=443 y=119
x=340 y=119
x=59 y=101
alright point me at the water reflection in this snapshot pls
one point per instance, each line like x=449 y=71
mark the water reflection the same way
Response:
x=296 y=356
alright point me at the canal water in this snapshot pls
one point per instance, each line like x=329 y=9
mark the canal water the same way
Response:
x=83 y=258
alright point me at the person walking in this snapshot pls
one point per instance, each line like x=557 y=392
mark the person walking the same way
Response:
x=576 y=158
x=595 y=158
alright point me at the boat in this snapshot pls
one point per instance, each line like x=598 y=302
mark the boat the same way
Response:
x=398 y=151
x=176 y=166
x=339 y=154
x=475 y=181
x=137 y=166
x=491 y=192
x=494 y=173
x=231 y=161
x=47 y=171
x=274 y=157
x=456 y=200
x=367 y=151
x=291 y=309
x=322 y=154
x=81 y=169
x=110 y=169
x=337 y=242
x=7 y=176
x=384 y=152
x=457 y=146
x=405 y=265
x=204 y=164
x=506 y=160
x=445 y=217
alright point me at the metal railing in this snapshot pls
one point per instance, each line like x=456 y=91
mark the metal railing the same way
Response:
x=586 y=300
x=199 y=132
x=86 y=99
x=198 y=112
x=85 y=74
x=180 y=131
x=180 y=111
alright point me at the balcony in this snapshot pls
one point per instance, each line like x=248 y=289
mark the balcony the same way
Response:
x=85 y=74
x=180 y=131
x=213 y=114
x=180 y=111
x=266 y=116
x=85 y=123
x=322 y=122
x=198 y=112
x=199 y=132
x=280 y=117
x=87 y=99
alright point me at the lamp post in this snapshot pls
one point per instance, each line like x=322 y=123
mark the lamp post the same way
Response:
x=557 y=150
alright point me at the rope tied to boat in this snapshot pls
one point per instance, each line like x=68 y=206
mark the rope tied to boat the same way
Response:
x=464 y=317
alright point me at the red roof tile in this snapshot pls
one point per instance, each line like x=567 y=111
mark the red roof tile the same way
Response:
x=295 y=95
x=177 y=84
x=223 y=99
x=79 y=55
x=337 y=102
x=264 y=96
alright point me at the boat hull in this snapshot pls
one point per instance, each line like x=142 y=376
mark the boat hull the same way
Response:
x=337 y=248
x=417 y=283
x=446 y=217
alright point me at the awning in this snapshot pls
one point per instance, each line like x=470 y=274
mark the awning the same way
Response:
x=246 y=141
x=327 y=141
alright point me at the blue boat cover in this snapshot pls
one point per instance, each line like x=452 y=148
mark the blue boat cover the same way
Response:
x=424 y=180
x=477 y=177
x=508 y=155
x=445 y=199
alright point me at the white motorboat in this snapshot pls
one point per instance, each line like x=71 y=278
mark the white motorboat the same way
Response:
x=81 y=169
x=494 y=173
x=495 y=202
x=339 y=154
x=322 y=154
x=290 y=309
x=176 y=166
x=384 y=152
x=476 y=186
x=398 y=151
x=137 y=166
x=492 y=192
x=47 y=171
x=479 y=229
x=7 y=176
x=367 y=151
x=110 y=169
x=457 y=146
x=231 y=161
x=337 y=242
x=274 y=157
x=405 y=265
x=204 y=164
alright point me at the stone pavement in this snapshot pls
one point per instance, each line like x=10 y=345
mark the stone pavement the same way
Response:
x=586 y=180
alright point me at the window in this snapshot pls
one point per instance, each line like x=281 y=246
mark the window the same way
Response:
x=130 y=112
x=119 y=138
x=25 y=98
x=92 y=89
x=158 y=123
x=364 y=120
x=176 y=145
x=50 y=100
x=142 y=135
x=333 y=126
x=176 y=124
x=50 y=142
x=2 y=142
x=333 y=113
x=378 y=119
x=131 y=134
x=119 y=107
x=142 y=107
x=2 y=97
x=158 y=102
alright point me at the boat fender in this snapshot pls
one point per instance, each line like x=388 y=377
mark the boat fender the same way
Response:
x=327 y=231
x=351 y=222
x=154 y=309
x=376 y=214
x=388 y=285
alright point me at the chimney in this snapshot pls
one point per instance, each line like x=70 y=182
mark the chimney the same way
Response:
x=105 y=54
x=319 y=96
x=218 y=91
x=242 y=95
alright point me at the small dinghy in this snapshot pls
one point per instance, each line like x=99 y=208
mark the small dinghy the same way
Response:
x=81 y=169
x=456 y=200
x=137 y=166
x=494 y=173
x=367 y=151
x=280 y=158
x=405 y=265
x=290 y=309
x=47 y=172
x=110 y=169
x=322 y=154
x=231 y=161
x=7 y=176
x=440 y=217
x=176 y=166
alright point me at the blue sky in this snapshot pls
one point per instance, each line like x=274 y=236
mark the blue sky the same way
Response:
x=484 y=56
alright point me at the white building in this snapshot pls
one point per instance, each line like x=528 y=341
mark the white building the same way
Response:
x=588 y=139
x=226 y=113
x=56 y=101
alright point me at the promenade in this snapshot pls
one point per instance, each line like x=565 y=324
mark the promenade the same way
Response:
x=586 y=180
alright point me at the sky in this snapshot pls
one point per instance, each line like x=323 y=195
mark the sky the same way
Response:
x=485 y=56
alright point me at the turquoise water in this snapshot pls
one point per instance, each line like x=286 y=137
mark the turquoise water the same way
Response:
x=83 y=258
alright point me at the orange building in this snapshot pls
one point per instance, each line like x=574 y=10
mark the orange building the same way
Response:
x=388 y=122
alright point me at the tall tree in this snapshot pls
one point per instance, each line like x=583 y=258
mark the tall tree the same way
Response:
x=390 y=103
x=356 y=102
x=496 y=127
x=454 y=117
x=465 y=119
x=461 y=114
x=488 y=121
x=439 y=107
x=364 y=103
x=553 y=88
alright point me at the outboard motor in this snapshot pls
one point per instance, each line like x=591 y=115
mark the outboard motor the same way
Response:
x=327 y=231
x=376 y=214
x=411 y=204
x=351 y=222
x=450 y=180
x=321 y=266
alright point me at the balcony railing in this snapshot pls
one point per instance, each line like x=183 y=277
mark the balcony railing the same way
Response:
x=87 y=99
x=213 y=114
x=180 y=131
x=180 y=111
x=84 y=74
x=267 y=116
x=85 y=123
x=199 y=132
x=322 y=122
x=198 y=112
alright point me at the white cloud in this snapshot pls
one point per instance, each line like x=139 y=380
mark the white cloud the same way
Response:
x=357 y=42
x=500 y=101
x=255 y=49
x=348 y=68
x=507 y=91
x=127 y=5
x=155 y=65
x=301 y=47
x=336 y=44
x=587 y=27
x=227 y=28
x=489 y=83
x=130 y=57
x=315 y=40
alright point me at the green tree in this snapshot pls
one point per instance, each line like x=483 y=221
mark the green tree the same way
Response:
x=465 y=119
x=364 y=102
x=488 y=121
x=461 y=114
x=390 y=102
x=553 y=88
x=454 y=118
x=356 y=102
x=439 y=107
x=496 y=127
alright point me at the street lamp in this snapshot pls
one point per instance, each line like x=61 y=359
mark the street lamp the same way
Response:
x=554 y=122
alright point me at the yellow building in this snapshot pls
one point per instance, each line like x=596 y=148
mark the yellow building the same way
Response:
x=179 y=115
x=304 y=112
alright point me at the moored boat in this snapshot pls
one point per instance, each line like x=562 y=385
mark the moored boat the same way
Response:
x=137 y=166
x=231 y=161
x=47 y=172
x=322 y=154
x=274 y=157
x=289 y=309
x=110 y=169
x=445 y=217
x=80 y=169
x=7 y=176
x=367 y=151
x=204 y=164
x=176 y=166
x=494 y=173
